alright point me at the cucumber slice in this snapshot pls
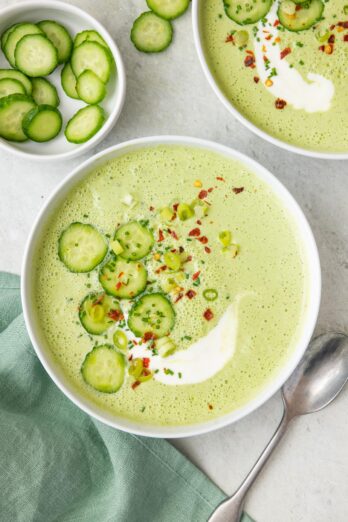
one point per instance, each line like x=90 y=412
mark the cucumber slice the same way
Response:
x=15 y=36
x=135 y=239
x=60 y=38
x=43 y=123
x=12 y=111
x=90 y=36
x=124 y=279
x=68 y=80
x=17 y=75
x=104 y=369
x=9 y=86
x=44 y=93
x=151 y=314
x=90 y=88
x=81 y=247
x=98 y=312
x=35 y=55
x=245 y=12
x=6 y=34
x=308 y=14
x=92 y=56
x=168 y=9
x=85 y=124
x=151 y=34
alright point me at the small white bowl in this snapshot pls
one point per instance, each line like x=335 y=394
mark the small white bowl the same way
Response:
x=196 y=6
x=40 y=344
x=75 y=20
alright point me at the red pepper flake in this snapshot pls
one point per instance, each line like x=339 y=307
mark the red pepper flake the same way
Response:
x=331 y=40
x=118 y=285
x=219 y=178
x=345 y=38
x=249 y=61
x=135 y=384
x=238 y=190
x=98 y=300
x=207 y=249
x=195 y=232
x=298 y=7
x=180 y=296
x=285 y=52
x=199 y=222
x=279 y=103
x=250 y=52
x=322 y=48
x=268 y=37
x=276 y=23
x=174 y=234
x=120 y=275
x=332 y=27
x=146 y=362
x=116 y=315
x=196 y=275
x=160 y=236
x=256 y=79
x=203 y=194
x=175 y=207
x=210 y=406
x=161 y=269
x=151 y=209
x=181 y=249
x=203 y=240
x=173 y=250
x=148 y=336
x=130 y=357
x=188 y=259
x=210 y=189
x=134 y=343
x=191 y=294
x=229 y=38
x=208 y=315
x=343 y=24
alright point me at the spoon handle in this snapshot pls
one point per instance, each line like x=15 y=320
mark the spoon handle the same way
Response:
x=230 y=510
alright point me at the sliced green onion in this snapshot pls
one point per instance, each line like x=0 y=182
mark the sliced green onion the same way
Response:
x=210 y=294
x=120 y=340
x=97 y=313
x=172 y=260
x=116 y=247
x=225 y=237
x=200 y=207
x=136 y=368
x=166 y=214
x=241 y=38
x=168 y=284
x=322 y=35
x=185 y=211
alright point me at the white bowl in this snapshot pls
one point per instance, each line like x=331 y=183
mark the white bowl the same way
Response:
x=75 y=20
x=45 y=355
x=196 y=6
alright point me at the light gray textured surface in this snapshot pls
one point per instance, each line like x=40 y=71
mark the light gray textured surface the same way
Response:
x=167 y=94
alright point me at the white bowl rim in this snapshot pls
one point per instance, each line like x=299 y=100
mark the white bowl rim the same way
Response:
x=247 y=123
x=268 y=391
x=121 y=80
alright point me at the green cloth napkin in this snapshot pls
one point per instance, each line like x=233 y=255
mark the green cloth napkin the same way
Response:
x=59 y=464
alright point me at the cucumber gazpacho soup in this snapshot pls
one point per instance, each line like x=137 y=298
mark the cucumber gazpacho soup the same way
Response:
x=281 y=65
x=171 y=285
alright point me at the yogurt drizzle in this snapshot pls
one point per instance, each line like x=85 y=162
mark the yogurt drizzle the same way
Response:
x=314 y=95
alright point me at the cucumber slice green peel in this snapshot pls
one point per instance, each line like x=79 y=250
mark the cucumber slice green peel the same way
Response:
x=92 y=56
x=13 y=109
x=43 y=123
x=81 y=247
x=135 y=240
x=151 y=33
x=90 y=88
x=104 y=369
x=44 y=93
x=35 y=55
x=245 y=12
x=98 y=312
x=10 y=86
x=14 y=37
x=90 y=36
x=6 y=34
x=85 y=124
x=168 y=9
x=68 y=80
x=309 y=13
x=60 y=38
x=122 y=278
x=17 y=75
x=152 y=314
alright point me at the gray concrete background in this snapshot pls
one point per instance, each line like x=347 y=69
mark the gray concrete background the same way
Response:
x=168 y=94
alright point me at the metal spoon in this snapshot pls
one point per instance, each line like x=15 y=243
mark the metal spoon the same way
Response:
x=318 y=379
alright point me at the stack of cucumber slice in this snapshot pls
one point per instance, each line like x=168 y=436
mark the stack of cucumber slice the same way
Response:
x=152 y=32
x=29 y=102
x=123 y=276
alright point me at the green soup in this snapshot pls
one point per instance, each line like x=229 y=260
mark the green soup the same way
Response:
x=305 y=69
x=261 y=270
